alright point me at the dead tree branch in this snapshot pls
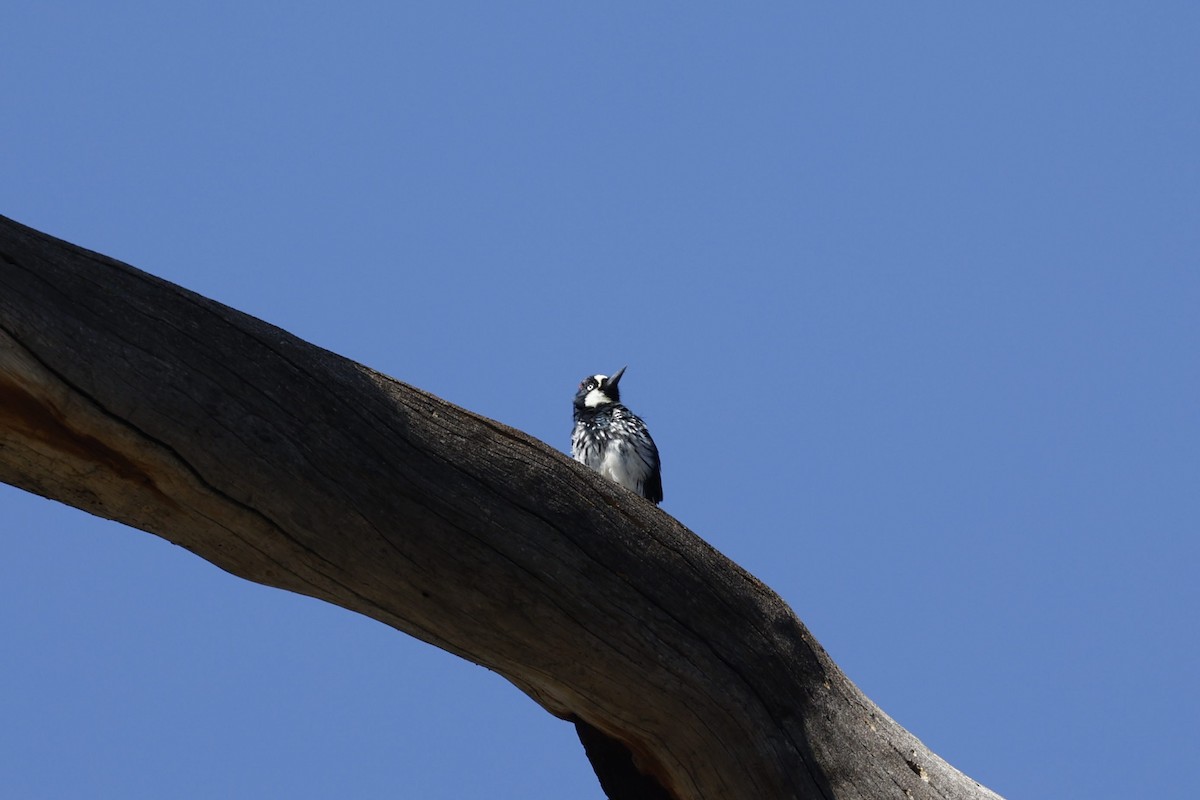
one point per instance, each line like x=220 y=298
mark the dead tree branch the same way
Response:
x=139 y=401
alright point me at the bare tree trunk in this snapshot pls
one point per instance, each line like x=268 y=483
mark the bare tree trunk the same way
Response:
x=136 y=400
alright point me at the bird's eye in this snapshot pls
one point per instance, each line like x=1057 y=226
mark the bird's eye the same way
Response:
x=591 y=385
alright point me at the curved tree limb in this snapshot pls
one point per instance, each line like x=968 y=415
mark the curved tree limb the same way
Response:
x=139 y=401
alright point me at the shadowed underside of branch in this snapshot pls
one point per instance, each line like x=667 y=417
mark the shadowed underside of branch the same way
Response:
x=136 y=400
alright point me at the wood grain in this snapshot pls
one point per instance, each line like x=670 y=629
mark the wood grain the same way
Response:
x=139 y=401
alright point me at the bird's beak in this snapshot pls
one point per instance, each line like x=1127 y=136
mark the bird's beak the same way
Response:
x=616 y=376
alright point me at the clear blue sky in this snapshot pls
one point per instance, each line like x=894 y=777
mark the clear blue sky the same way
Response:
x=909 y=295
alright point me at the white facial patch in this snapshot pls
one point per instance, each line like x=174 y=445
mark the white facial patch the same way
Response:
x=597 y=397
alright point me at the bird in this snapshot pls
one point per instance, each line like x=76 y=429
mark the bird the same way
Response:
x=612 y=440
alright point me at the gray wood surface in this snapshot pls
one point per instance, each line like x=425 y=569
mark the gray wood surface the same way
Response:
x=139 y=401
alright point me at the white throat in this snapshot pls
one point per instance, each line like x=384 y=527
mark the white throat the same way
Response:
x=596 y=397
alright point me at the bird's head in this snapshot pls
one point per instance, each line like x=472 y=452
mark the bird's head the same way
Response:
x=599 y=390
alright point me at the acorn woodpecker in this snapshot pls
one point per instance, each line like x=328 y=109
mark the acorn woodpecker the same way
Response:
x=612 y=440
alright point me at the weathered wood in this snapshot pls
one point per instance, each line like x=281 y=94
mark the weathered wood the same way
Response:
x=139 y=401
